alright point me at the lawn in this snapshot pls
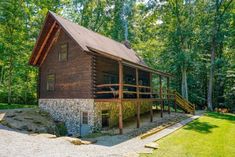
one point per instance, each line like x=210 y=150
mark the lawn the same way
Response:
x=15 y=106
x=212 y=135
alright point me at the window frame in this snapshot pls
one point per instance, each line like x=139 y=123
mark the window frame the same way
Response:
x=47 y=83
x=60 y=53
x=85 y=117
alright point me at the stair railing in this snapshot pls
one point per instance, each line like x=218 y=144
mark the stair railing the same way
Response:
x=185 y=104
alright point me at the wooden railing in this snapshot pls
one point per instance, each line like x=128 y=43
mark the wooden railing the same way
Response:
x=136 y=90
x=149 y=93
x=184 y=104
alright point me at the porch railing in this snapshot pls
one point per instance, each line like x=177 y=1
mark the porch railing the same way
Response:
x=144 y=91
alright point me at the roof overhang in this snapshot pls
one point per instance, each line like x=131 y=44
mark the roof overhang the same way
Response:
x=48 y=35
x=128 y=63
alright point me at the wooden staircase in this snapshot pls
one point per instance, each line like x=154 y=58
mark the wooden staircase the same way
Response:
x=184 y=104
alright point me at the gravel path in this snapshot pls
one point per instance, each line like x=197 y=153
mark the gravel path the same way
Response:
x=17 y=144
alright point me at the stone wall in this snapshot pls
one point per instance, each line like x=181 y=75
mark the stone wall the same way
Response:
x=129 y=110
x=69 y=111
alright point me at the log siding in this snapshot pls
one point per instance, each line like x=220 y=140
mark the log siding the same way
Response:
x=72 y=77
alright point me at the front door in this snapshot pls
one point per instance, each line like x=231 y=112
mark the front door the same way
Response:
x=85 y=128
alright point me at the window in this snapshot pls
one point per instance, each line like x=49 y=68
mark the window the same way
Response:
x=105 y=118
x=84 y=117
x=63 y=52
x=50 y=82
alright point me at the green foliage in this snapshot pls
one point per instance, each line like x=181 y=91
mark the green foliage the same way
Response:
x=4 y=106
x=61 y=129
x=172 y=36
x=20 y=25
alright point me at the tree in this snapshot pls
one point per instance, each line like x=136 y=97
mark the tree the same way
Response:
x=220 y=8
x=193 y=40
x=19 y=27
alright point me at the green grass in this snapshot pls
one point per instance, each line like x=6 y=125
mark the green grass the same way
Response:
x=15 y=106
x=212 y=135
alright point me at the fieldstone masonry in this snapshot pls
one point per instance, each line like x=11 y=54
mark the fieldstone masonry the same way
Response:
x=70 y=112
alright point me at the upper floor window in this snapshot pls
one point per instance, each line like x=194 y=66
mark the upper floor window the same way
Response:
x=51 y=82
x=63 y=52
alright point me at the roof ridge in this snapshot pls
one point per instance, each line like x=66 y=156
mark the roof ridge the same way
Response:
x=103 y=36
x=81 y=34
x=86 y=38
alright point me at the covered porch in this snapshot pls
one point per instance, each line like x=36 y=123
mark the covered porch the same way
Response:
x=121 y=81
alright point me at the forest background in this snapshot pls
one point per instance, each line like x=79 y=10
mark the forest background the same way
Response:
x=192 y=39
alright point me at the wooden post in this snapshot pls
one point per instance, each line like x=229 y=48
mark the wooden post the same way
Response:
x=120 y=94
x=194 y=108
x=151 y=91
x=38 y=83
x=175 y=106
x=168 y=92
x=137 y=96
x=160 y=94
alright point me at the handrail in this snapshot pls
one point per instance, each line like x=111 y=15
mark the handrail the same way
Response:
x=110 y=92
x=140 y=86
x=186 y=105
x=105 y=92
x=169 y=94
x=106 y=85
x=181 y=103
x=145 y=93
x=127 y=85
x=177 y=94
x=148 y=87
x=131 y=92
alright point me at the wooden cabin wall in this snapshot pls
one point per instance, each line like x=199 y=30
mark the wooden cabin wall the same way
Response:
x=72 y=77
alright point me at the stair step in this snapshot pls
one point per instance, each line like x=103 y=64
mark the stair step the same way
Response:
x=184 y=104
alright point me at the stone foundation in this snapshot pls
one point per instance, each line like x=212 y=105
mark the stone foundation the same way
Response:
x=70 y=112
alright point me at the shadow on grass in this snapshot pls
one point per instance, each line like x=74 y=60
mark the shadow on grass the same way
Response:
x=206 y=127
x=223 y=116
x=201 y=127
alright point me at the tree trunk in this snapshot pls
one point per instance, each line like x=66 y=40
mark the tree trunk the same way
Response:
x=10 y=81
x=25 y=96
x=210 y=86
x=184 y=84
x=1 y=76
x=216 y=29
x=26 y=89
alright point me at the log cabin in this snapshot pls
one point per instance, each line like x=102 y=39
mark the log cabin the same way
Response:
x=90 y=81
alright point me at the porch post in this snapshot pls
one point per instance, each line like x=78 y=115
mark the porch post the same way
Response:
x=175 y=106
x=168 y=92
x=151 y=91
x=120 y=94
x=160 y=94
x=137 y=96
